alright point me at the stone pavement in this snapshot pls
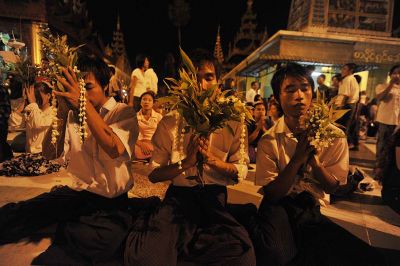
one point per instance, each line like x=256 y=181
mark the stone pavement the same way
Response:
x=363 y=213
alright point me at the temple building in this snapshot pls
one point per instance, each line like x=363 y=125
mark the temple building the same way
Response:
x=246 y=40
x=328 y=34
x=19 y=24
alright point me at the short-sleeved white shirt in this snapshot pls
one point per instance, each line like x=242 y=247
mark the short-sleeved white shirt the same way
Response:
x=141 y=82
x=389 y=108
x=90 y=166
x=348 y=87
x=277 y=147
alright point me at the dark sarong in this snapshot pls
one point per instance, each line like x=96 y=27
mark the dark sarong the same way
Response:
x=294 y=232
x=191 y=224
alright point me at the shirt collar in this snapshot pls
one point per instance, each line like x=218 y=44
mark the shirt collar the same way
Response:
x=282 y=128
x=108 y=106
x=153 y=115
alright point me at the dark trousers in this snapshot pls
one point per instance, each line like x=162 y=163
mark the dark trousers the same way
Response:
x=88 y=224
x=294 y=232
x=384 y=134
x=348 y=123
x=5 y=149
x=194 y=225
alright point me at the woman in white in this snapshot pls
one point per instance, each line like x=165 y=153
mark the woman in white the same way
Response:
x=38 y=115
x=138 y=81
x=148 y=120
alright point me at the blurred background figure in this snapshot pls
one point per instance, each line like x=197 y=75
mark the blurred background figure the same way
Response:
x=138 y=81
x=252 y=92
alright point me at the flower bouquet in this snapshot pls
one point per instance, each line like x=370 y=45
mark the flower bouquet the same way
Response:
x=204 y=110
x=320 y=125
x=58 y=54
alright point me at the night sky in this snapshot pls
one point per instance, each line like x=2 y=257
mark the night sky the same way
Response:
x=148 y=29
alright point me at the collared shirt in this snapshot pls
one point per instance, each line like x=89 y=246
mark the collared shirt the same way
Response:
x=141 y=82
x=223 y=144
x=250 y=94
x=148 y=127
x=37 y=122
x=348 y=88
x=389 y=108
x=89 y=165
x=277 y=147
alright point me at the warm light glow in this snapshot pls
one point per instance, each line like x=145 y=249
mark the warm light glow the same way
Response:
x=36 y=47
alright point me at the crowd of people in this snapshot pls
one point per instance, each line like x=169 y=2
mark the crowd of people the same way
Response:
x=193 y=222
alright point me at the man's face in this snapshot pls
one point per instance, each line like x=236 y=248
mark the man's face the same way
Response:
x=206 y=75
x=320 y=80
x=94 y=91
x=259 y=111
x=345 y=71
x=335 y=82
x=296 y=95
x=395 y=74
x=255 y=86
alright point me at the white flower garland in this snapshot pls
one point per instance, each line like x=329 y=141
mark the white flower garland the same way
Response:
x=82 y=110
x=242 y=140
x=54 y=124
x=178 y=142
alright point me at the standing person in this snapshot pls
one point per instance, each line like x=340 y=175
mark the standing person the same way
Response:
x=192 y=222
x=138 y=81
x=152 y=80
x=99 y=168
x=388 y=115
x=289 y=227
x=252 y=92
x=347 y=98
x=148 y=120
x=334 y=89
x=322 y=88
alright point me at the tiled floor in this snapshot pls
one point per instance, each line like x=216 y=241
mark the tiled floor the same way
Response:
x=363 y=214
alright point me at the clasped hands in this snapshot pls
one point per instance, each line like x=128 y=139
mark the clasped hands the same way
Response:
x=198 y=145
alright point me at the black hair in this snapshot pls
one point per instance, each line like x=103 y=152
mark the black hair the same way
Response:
x=393 y=68
x=322 y=76
x=257 y=98
x=97 y=67
x=151 y=93
x=337 y=76
x=358 y=78
x=202 y=57
x=352 y=67
x=41 y=87
x=254 y=82
x=139 y=60
x=290 y=70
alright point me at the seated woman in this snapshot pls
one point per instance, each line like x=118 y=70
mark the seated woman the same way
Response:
x=37 y=119
x=260 y=125
x=148 y=120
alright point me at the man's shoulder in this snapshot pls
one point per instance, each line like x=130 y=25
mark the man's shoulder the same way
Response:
x=122 y=111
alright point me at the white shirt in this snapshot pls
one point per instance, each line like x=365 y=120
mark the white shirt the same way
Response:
x=348 y=87
x=151 y=79
x=90 y=166
x=389 y=108
x=223 y=145
x=250 y=94
x=141 y=82
x=16 y=119
x=277 y=147
x=148 y=127
x=37 y=122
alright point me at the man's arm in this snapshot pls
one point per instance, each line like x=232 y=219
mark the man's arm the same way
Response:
x=328 y=183
x=383 y=95
x=103 y=134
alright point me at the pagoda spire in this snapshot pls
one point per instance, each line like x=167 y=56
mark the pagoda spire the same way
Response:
x=118 y=44
x=218 y=53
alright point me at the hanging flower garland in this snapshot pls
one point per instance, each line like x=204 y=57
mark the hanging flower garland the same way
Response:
x=58 y=54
